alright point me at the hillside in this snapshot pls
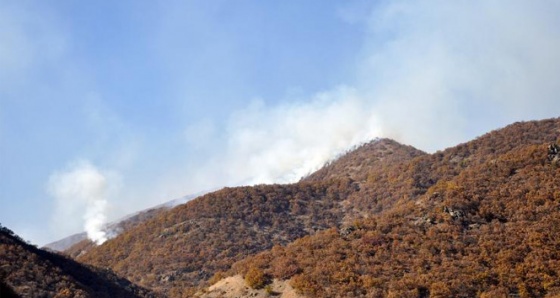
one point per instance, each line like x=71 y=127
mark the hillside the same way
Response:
x=382 y=201
x=27 y=271
x=386 y=185
x=484 y=225
x=186 y=246
x=190 y=243
x=6 y=291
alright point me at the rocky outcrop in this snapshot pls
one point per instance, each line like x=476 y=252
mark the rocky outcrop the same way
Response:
x=554 y=153
x=454 y=213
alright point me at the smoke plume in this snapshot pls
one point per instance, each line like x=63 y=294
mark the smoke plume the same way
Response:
x=430 y=74
x=81 y=189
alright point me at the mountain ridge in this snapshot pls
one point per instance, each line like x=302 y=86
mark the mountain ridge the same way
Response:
x=205 y=237
x=265 y=214
x=485 y=231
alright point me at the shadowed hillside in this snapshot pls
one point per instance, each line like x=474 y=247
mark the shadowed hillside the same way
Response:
x=31 y=272
x=6 y=291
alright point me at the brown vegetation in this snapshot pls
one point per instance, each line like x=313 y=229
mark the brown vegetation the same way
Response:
x=179 y=250
x=385 y=220
x=484 y=225
x=186 y=246
x=27 y=271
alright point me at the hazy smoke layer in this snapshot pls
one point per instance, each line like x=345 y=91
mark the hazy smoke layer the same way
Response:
x=442 y=72
x=431 y=74
x=81 y=189
x=284 y=143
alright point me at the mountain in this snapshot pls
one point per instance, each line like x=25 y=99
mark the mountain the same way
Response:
x=190 y=243
x=66 y=242
x=26 y=271
x=480 y=220
x=383 y=220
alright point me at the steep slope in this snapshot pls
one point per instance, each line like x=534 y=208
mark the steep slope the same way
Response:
x=179 y=250
x=484 y=225
x=31 y=272
x=389 y=182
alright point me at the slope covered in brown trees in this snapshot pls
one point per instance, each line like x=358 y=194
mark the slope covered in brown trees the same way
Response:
x=179 y=250
x=186 y=246
x=357 y=163
x=479 y=220
x=384 y=220
x=26 y=271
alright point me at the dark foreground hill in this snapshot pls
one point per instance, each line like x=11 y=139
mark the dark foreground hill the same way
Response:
x=26 y=271
x=385 y=220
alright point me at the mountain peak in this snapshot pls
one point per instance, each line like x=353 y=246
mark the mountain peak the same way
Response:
x=355 y=163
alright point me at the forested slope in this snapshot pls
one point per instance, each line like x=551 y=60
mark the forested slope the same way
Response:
x=479 y=220
x=389 y=219
x=27 y=271
x=179 y=250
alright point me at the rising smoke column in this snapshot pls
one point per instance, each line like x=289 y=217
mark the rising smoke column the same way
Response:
x=81 y=189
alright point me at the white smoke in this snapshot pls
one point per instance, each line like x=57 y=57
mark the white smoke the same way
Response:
x=82 y=189
x=432 y=74
x=442 y=72
x=284 y=143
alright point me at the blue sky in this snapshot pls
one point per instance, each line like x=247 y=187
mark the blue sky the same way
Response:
x=110 y=107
